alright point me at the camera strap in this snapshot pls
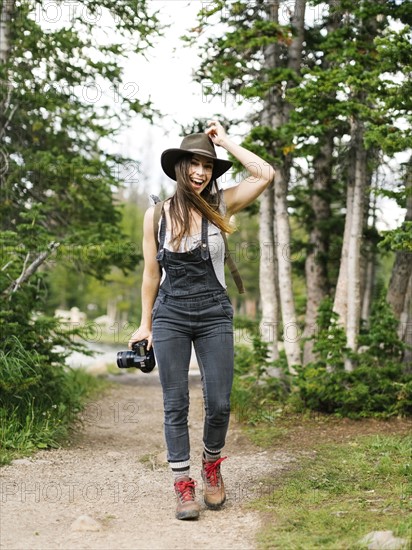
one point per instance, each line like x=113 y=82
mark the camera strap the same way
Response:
x=158 y=211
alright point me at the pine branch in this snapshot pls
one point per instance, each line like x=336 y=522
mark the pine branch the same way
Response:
x=30 y=270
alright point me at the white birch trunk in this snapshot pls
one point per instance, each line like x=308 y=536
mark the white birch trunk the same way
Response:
x=354 y=245
x=268 y=279
x=291 y=334
x=340 y=303
x=267 y=275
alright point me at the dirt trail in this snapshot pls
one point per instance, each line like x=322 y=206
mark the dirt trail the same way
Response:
x=116 y=472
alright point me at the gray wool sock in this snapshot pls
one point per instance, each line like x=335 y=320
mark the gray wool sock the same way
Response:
x=211 y=456
x=184 y=472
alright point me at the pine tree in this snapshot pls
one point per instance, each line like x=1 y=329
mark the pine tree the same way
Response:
x=57 y=186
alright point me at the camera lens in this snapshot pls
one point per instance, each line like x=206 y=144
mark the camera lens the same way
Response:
x=125 y=359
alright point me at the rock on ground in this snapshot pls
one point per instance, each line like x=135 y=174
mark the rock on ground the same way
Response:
x=383 y=540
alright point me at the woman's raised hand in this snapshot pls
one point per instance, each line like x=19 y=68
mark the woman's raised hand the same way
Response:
x=216 y=132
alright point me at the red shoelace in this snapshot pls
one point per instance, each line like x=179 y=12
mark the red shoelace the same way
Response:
x=186 y=489
x=212 y=471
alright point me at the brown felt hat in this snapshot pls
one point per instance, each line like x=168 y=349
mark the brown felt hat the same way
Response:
x=192 y=144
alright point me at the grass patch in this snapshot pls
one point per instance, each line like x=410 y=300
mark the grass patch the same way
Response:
x=39 y=402
x=347 y=490
x=265 y=436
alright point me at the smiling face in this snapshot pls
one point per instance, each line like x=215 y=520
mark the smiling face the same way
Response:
x=200 y=172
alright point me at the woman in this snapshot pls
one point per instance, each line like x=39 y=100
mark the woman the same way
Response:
x=185 y=302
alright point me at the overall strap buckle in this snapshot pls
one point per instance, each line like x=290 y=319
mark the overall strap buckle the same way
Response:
x=204 y=248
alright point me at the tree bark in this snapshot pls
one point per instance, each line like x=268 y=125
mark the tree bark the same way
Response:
x=7 y=10
x=398 y=284
x=291 y=331
x=317 y=280
x=368 y=284
x=369 y=255
x=405 y=329
x=291 y=334
x=399 y=294
x=268 y=276
x=355 y=240
x=402 y=268
x=317 y=286
x=340 y=302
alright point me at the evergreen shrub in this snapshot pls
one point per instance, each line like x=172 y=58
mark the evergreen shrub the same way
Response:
x=377 y=386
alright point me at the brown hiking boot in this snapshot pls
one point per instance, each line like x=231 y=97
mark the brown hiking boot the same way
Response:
x=213 y=486
x=187 y=507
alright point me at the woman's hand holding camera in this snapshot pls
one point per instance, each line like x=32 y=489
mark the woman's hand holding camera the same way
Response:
x=140 y=334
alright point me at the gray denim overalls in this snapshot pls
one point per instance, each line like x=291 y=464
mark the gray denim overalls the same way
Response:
x=192 y=307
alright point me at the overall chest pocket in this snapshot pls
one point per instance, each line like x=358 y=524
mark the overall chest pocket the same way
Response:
x=189 y=278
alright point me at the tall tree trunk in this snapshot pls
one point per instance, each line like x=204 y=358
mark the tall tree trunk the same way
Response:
x=369 y=258
x=355 y=240
x=317 y=286
x=268 y=273
x=317 y=281
x=291 y=334
x=7 y=10
x=368 y=284
x=405 y=329
x=398 y=285
x=340 y=302
x=397 y=295
x=289 y=318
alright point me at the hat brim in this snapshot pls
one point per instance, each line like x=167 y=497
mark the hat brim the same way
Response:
x=171 y=156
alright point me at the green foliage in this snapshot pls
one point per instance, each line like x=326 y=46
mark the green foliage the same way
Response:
x=330 y=338
x=353 y=74
x=366 y=391
x=377 y=386
x=355 y=66
x=69 y=285
x=256 y=395
x=57 y=193
x=39 y=400
x=58 y=184
x=399 y=240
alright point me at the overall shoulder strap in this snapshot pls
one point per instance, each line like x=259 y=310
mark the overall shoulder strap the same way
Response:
x=232 y=266
x=156 y=218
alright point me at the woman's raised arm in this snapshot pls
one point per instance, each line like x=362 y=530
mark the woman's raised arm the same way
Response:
x=261 y=173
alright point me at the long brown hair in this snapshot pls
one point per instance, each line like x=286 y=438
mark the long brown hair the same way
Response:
x=185 y=198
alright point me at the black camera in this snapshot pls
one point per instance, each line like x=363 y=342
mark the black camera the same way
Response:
x=139 y=357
